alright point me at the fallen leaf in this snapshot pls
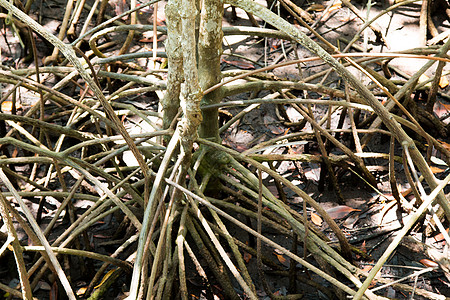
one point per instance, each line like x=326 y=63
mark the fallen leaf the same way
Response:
x=372 y=284
x=147 y=37
x=437 y=161
x=424 y=78
x=241 y=147
x=273 y=189
x=7 y=106
x=350 y=222
x=43 y=286
x=447 y=106
x=296 y=149
x=367 y=268
x=436 y=170
x=363 y=247
x=445 y=145
x=441 y=109
x=386 y=208
x=428 y=263
x=391 y=293
x=240 y=64
x=281 y=258
x=129 y=159
x=316 y=7
x=102 y=236
x=312 y=172
x=440 y=237
x=340 y=211
x=86 y=91
x=81 y=291
x=147 y=40
x=107 y=275
x=316 y=219
x=120 y=6
x=443 y=82
x=247 y=257
x=346 y=19
x=274 y=44
x=334 y=7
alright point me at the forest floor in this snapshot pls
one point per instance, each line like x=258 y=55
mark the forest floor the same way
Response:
x=369 y=215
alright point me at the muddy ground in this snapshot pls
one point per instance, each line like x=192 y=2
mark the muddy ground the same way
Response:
x=363 y=216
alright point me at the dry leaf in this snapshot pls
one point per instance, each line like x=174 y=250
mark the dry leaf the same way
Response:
x=363 y=247
x=441 y=109
x=350 y=222
x=281 y=258
x=316 y=219
x=436 y=170
x=438 y=161
x=147 y=37
x=406 y=192
x=447 y=106
x=424 y=78
x=43 y=286
x=313 y=173
x=147 y=40
x=334 y=7
x=445 y=145
x=247 y=257
x=102 y=236
x=440 y=237
x=8 y=104
x=367 y=268
x=107 y=275
x=277 y=251
x=386 y=208
x=273 y=189
x=443 y=82
x=428 y=263
x=339 y=212
x=81 y=291
x=316 y=7
x=120 y=6
x=240 y=64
